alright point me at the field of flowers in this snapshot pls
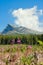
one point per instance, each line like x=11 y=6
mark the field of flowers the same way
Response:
x=21 y=54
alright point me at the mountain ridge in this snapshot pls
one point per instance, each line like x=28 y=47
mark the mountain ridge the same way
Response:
x=10 y=29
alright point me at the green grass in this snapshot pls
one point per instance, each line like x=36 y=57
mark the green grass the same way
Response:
x=21 y=48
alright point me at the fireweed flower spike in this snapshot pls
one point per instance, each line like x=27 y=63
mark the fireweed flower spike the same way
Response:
x=18 y=41
x=29 y=47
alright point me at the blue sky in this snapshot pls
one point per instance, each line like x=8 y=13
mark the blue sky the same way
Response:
x=9 y=5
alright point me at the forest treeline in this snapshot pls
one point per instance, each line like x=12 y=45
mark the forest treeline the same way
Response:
x=24 y=39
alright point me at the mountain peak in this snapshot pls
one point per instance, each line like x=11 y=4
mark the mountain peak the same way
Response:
x=11 y=29
x=8 y=28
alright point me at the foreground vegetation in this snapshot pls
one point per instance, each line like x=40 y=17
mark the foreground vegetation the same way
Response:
x=21 y=54
x=21 y=49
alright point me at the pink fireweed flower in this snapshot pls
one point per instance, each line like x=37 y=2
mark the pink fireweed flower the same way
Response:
x=29 y=47
x=18 y=41
x=28 y=50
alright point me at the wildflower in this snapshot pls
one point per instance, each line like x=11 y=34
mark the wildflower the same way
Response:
x=29 y=47
x=28 y=50
x=18 y=41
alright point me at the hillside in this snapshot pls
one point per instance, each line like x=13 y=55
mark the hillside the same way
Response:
x=9 y=29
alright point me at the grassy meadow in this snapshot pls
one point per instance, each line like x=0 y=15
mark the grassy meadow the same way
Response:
x=20 y=54
x=29 y=50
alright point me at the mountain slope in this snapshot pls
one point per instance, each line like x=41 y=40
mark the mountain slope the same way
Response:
x=18 y=30
x=7 y=29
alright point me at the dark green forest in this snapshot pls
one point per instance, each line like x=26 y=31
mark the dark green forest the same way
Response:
x=24 y=39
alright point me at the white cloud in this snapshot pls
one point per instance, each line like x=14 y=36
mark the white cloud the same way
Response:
x=28 y=18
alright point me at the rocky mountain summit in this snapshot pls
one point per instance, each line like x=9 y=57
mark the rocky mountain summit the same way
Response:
x=10 y=29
